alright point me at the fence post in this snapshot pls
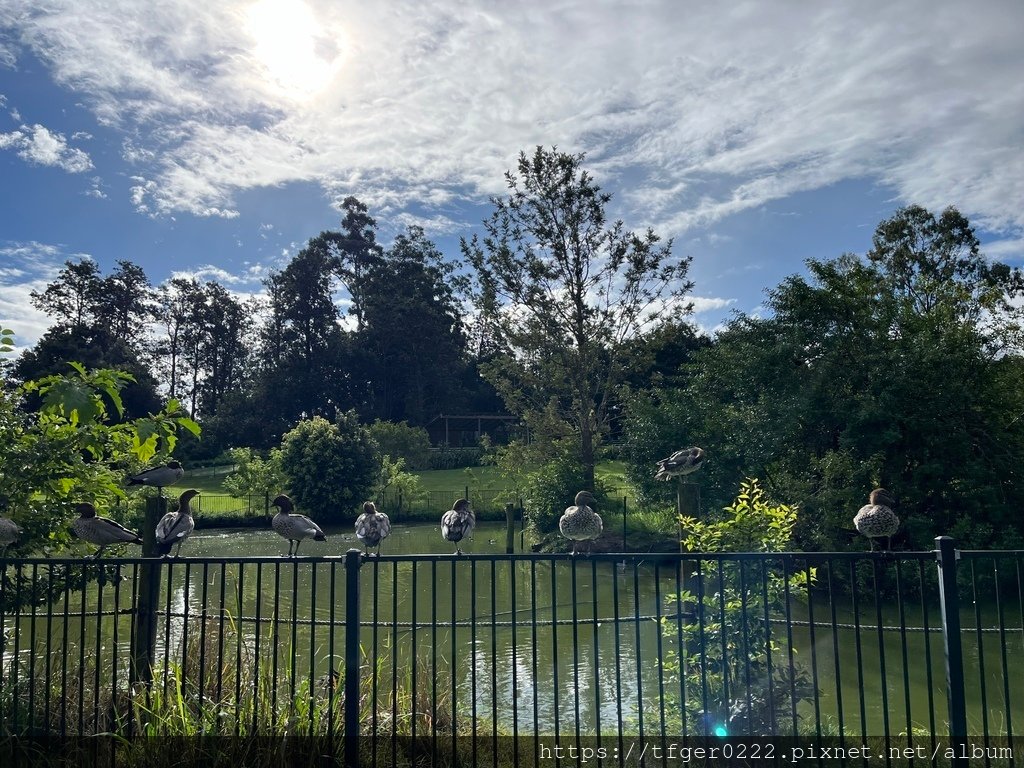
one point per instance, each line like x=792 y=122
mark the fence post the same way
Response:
x=949 y=603
x=352 y=563
x=144 y=642
x=510 y=528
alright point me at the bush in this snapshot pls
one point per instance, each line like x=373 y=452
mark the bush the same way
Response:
x=400 y=441
x=253 y=475
x=552 y=488
x=330 y=468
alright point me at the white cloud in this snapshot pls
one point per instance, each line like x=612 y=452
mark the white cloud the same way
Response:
x=709 y=304
x=1007 y=250
x=29 y=267
x=694 y=115
x=39 y=145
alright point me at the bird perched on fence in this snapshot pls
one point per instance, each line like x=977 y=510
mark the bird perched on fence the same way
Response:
x=159 y=477
x=295 y=528
x=876 y=518
x=580 y=522
x=100 y=530
x=458 y=523
x=680 y=463
x=9 y=533
x=175 y=527
x=372 y=527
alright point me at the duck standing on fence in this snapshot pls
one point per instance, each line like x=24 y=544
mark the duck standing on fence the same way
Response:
x=293 y=527
x=580 y=522
x=102 y=531
x=876 y=518
x=159 y=477
x=175 y=527
x=680 y=463
x=458 y=523
x=372 y=527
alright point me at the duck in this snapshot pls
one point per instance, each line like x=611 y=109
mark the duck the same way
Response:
x=175 y=527
x=580 y=522
x=103 y=531
x=159 y=477
x=458 y=523
x=372 y=527
x=9 y=533
x=680 y=463
x=876 y=519
x=295 y=528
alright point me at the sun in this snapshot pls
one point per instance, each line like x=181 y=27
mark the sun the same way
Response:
x=295 y=52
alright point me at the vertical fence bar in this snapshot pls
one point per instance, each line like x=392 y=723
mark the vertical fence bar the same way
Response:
x=949 y=605
x=352 y=563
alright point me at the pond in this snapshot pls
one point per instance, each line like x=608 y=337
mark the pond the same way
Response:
x=545 y=645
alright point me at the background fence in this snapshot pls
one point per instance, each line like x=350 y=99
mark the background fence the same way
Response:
x=491 y=659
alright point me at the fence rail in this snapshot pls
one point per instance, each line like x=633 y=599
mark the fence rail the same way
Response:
x=491 y=659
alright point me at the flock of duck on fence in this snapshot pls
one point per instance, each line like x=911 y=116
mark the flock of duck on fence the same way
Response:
x=579 y=523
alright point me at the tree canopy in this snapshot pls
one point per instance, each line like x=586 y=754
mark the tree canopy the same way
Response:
x=563 y=292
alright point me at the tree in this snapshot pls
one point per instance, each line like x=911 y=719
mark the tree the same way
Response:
x=125 y=303
x=413 y=331
x=565 y=293
x=72 y=299
x=354 y=250
x=303 y=339
x=867 y=372
x=331 y=467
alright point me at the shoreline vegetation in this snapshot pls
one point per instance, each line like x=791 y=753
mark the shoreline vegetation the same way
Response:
x=489 y=492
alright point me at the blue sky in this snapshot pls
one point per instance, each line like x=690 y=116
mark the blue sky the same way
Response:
x=214 y=139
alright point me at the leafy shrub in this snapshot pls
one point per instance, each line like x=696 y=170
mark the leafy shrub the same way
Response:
x=739 y=692
x=400 y=441
x=330 y=468
x=553 y=487
x=254 y=475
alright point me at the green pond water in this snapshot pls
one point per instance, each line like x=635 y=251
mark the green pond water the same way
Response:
x=537 y=646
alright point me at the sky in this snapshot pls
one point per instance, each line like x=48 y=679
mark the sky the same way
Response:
x=214 y=139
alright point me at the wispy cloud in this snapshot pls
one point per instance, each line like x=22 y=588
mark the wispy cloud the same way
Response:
x=696 y=116
x=37 y=144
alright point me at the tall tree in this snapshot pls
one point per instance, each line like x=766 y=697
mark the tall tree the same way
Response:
x=354 y=249
x=126 y=302
x=412 y=306
x=568 y=292
x=73 y=298
x=303 y=336
x=177 y=310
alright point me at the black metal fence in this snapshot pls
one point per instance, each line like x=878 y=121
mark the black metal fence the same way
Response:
x=498 y=659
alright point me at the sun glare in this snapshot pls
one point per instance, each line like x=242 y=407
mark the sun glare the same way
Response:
x=296 y=52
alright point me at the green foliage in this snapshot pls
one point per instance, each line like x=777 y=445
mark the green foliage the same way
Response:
x=548 y=490
x=254 y=475
x=403 y=485
x=560 y=290
x=71 y=449
x=402 y=441
x=897 y=370
x=731 y=600
x=750 y=524
x=330 y=467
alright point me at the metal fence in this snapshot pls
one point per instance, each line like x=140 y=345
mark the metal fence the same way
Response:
x=498 y=659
